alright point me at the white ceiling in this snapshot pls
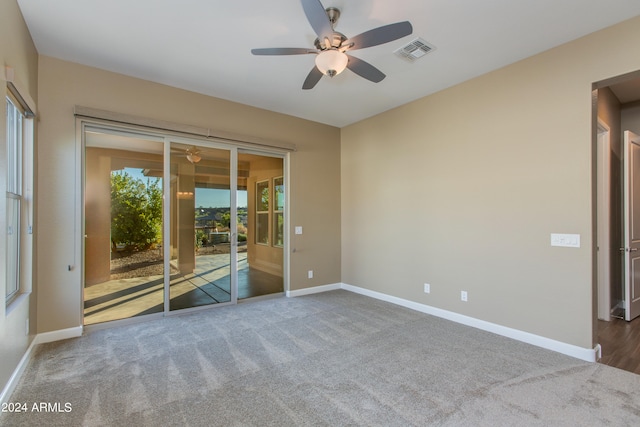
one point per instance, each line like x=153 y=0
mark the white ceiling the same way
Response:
x=204 y=45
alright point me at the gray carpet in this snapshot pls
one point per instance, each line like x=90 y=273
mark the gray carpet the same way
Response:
x=331 y=359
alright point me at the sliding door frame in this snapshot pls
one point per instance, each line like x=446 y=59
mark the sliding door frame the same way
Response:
x=286 y=160
x=83 y=124
x=166 y=225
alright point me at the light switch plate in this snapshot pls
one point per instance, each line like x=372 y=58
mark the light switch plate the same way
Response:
x=565 y=240
x=298 y=229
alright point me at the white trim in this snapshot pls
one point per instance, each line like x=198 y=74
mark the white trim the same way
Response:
x=19 y=90
x=11 y=385
x=314 y=290
x=587 y=354
x=59 y=335
x=287 y=222
x=603 y=241
x=42 y=338
x=241 y=141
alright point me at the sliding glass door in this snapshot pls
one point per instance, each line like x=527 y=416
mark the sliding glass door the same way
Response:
x=123 y=267
x=201 y=226
x=173 y=224
x=261 y=241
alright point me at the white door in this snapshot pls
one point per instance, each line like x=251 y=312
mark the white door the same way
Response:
x=631 y=225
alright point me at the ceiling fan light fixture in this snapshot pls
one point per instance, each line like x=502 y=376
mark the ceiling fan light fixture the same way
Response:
x=193 y=157
x=331 y=62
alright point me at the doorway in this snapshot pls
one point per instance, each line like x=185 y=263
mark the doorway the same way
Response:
x=174 y=224
x=617 y=108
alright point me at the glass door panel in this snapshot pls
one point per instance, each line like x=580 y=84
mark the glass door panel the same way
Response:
x=123 y=274
x=200 y=225
x=260 y=225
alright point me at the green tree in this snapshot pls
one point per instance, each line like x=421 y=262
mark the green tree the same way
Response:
x=136 y=211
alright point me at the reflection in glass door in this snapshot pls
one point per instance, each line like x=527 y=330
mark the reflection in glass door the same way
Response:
x=200 y=226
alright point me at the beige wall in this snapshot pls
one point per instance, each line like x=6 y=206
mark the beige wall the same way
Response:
x=315 y=173
x=17 y=51
x=631 y=117
x=462 y=189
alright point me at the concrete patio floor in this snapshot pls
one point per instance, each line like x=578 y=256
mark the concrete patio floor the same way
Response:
x=208 y=284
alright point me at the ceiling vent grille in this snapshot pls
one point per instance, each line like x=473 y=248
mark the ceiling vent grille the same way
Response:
x=414 y=50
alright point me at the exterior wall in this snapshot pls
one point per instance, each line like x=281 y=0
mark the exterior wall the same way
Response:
x=314 y=176
x=17 y=51
x=266 y=258
x=462 y=189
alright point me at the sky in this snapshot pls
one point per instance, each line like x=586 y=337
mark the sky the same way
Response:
x=205 y=197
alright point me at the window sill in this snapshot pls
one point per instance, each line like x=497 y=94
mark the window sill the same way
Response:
x=17 y=302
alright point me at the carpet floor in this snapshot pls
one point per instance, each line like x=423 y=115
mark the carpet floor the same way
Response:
x=331 y=359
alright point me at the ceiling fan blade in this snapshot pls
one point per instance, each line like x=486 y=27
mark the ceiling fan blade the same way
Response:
x=380 y=35
x=317 y=17
x=312 y=79
x=283 y=51
x=364 y=69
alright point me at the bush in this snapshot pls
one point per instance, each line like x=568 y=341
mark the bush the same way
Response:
x=201 y=239
x=136 y=211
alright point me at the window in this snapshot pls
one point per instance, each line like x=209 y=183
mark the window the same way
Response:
x=19 y=180
x=262 y=212
x=14 y=197
x=278 y=212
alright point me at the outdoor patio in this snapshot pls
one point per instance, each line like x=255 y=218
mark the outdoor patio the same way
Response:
x=208 y=284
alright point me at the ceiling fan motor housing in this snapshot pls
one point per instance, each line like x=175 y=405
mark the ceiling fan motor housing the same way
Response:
x=335 y=41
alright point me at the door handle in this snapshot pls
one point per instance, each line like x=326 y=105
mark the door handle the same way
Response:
x=628 y=249
x=633 y=249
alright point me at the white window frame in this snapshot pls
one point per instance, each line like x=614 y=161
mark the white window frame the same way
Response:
x=278 y=212
x=19 y=187
x=260 y=213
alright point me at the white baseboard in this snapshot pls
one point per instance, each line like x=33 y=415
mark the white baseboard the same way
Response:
x=587 y=354
x=24 y=361
x=62 y=334
x=314 y=290
x=10 y=386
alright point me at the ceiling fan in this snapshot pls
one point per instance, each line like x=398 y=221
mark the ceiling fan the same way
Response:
x=331 y=46
x=191 y=153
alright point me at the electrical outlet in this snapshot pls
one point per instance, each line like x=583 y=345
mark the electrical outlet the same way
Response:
x=310 y=274
x=463 y=296
x=427 y=288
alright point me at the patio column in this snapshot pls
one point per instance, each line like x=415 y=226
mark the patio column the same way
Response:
x=98 y=220
x=186 y=217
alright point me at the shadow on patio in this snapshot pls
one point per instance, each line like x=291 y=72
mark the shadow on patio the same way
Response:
x=208 y=284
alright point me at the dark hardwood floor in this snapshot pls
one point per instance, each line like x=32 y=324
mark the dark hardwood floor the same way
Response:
x=620 y=341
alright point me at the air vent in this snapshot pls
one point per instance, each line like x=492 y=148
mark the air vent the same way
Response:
x=414 y=50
